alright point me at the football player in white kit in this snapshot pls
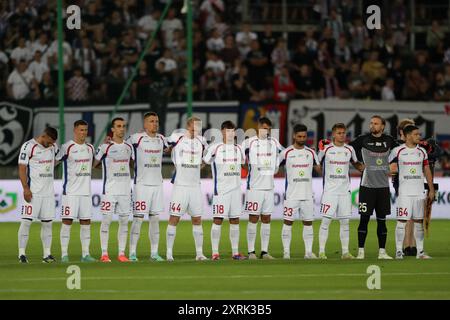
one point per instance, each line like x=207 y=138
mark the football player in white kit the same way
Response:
x=77 y=157
x=148 y=197
x=226 y=159
x=336 y=199
x=187 y=154
x=262 y=154
x=36 y=167
x=299 y=161
x=115 y=158
x=411 y=162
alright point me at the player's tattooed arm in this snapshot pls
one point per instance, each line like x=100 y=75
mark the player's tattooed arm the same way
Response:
x=27 y=195
x=318 y=169
x=393 y=167
x=359 y=166
x=429 y=178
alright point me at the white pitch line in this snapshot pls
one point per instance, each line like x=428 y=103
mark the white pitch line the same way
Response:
x=239 y=276
x=215 y=292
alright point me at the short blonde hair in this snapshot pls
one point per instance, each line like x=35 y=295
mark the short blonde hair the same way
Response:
x=192 y=119
x=403 y=123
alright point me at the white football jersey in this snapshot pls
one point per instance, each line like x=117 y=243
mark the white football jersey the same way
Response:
x=336 y=167
x=187 y=155
x=226 y=161
x=410 y=163
x=115 y=158
x=40 y=162
x=148 y=153
x=262 y=156
x=77 y=167
x=299 y=165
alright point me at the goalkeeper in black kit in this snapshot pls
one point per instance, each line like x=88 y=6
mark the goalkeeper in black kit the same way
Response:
x=373 y=150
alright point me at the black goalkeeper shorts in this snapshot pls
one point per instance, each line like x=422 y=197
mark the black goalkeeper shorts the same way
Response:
x=378 y=199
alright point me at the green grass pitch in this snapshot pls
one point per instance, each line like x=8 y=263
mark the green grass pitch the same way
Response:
x=226 y=279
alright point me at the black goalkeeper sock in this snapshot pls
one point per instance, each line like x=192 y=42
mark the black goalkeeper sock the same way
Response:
x=381 y=233
x=362 y=229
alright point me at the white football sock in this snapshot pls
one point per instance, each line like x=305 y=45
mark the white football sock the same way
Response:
x=344 y=234
x=65 y=238
x=135 y=233
x=153 y=233
x=323 y=233
x=251 y=235
x=46 y=237
x=419 y=234
x=215 y=237
x=170 y=238
x=85 y=237
x=286 y=236
x=308 y=238
x=399 y=235
x=23 y=234
x=104 y=232
x=234 y=238
x=122 y=234
x=197 y=231
x=265 y=236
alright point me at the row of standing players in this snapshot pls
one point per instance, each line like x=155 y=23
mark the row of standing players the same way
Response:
x=376 y=155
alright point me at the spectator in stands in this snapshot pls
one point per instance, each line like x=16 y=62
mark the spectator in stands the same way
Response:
x=334 y=22
x=280 y=56
x=21 y=52
x=147 y=24
x=283 y=86
x=21 y=19
x=310 y=42
x=244 y=39
x=38 y=67
x=216 y=65
x=141 y=83
x=53 y=57
x=331 y=84
x=301 y=57
x=342 y=54
x=170 y=65
x=268 y=40
x=77 y=86
x=47 y=88
x=129 y=48
x=21 y=83
x=358 y=32
x=372 y=68
x=434 y=35
x=92 y=20
x=221 y=26
x=257 y=64
x=422 y=65
x=215 y=42
x=4 y=70
x=398 y=75
x=114 y=83
x=209 y=10
x=304 y=83
x=85 y=58
x=242 y=89
x=229 y=53
x=115 y=27
x=416 y=87
x=441 y=89
x=357 y=83
x=388 y=93
x=42 y=45
x=169 y=25
x=323 y=60
x=161 y=89
x=209 y=85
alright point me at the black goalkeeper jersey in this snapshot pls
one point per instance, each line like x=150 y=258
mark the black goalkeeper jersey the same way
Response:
x=374 y=153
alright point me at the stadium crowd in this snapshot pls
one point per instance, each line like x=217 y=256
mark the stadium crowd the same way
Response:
x=339 y=57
